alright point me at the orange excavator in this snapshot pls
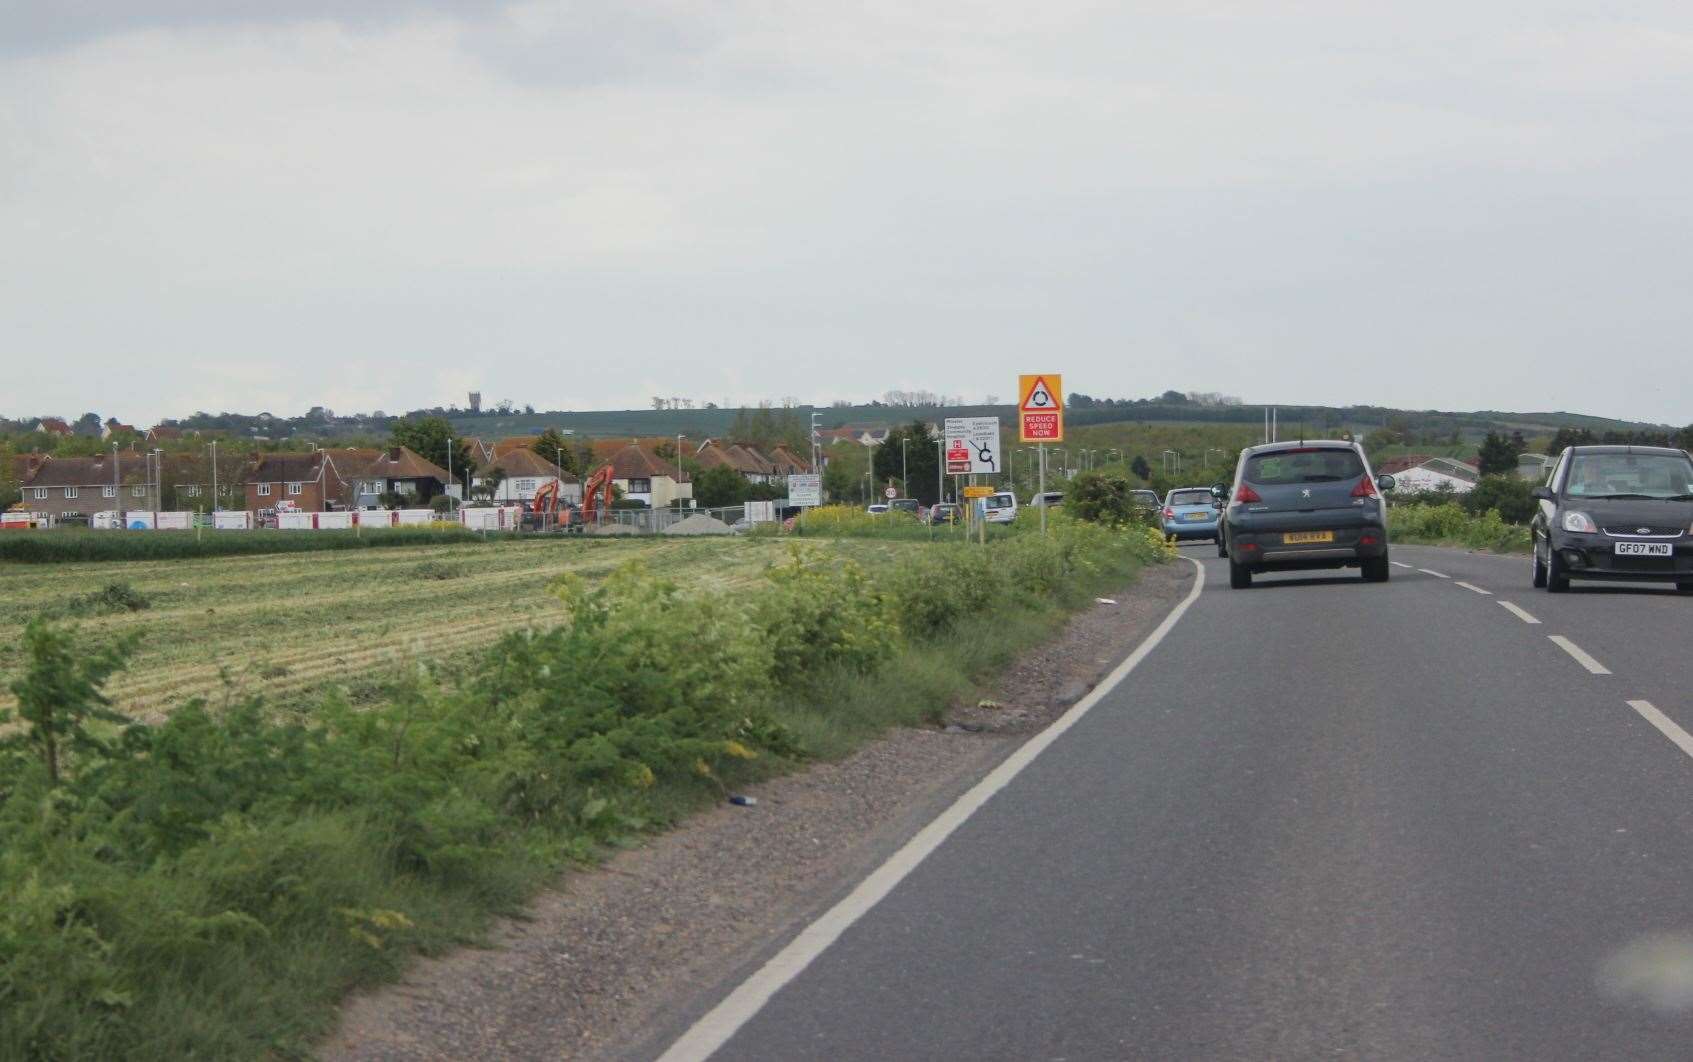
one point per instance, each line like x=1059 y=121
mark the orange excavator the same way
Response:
x=544 y=509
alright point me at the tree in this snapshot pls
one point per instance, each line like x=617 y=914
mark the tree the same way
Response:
x=1507 y=493
x=838 y=481
x=1100 y=497
x=720 y=486
x=490 y=484
x=1140 y=467
x=428 y=438
x=917 y=467
x=554 y=445
x=1498 y=455
x=1684 y=438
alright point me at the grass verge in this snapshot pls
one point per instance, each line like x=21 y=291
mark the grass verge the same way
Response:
x=212 y=885
x=70 y=546
x=1449 y=525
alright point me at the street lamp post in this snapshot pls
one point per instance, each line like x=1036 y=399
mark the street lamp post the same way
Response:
x=904 y=475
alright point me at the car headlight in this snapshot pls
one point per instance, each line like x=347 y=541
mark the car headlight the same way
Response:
x=1575 y=520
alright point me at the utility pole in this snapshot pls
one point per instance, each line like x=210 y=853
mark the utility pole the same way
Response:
x=904 y=475
x=451 y=482
x=216 y=498
x=117 y=491
x=1040 y=495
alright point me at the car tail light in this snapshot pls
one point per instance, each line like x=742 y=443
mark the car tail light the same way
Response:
x=1245 y=493
x=1367 y=540
x=1366 y=488
x=1169 y=513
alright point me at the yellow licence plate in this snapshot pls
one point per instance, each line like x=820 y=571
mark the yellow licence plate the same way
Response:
x=1295 y=537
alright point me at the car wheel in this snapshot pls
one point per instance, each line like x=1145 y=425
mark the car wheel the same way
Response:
x=1557 y=579
x=1240 y=576
x=1376 y=570
x=1539 y=569
x=1686 y=588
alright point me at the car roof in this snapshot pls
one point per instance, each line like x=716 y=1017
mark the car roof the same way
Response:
x=1175 y=489
x=1298 y=444
x=1612 y=449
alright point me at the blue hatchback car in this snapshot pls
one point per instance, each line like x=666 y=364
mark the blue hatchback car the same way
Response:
x=1191 y=512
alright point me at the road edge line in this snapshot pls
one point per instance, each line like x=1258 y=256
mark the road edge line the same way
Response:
x=718 y=1025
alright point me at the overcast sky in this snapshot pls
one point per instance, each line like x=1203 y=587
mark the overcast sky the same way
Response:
x=245 y=205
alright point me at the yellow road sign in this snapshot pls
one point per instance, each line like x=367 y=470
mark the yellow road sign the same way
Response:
x=1040 y=408
x=979 y=492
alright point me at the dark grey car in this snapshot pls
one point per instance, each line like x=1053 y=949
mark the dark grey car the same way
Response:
x=1305 y=505
x=1615 y=512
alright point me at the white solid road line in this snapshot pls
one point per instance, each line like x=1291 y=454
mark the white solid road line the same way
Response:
x=722 y=1022
x=1517 y=612
x=1399 y=564
x=1683 y=740
x=1472 y=586
x=1437 y=575
x=1579 y=654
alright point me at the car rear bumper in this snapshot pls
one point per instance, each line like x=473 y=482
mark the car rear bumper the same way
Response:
x=1595 y=557
x=1265 y=549
x=1191 y=528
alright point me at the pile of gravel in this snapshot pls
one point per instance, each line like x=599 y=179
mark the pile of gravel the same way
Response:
x=699 y=524
x=613 y=529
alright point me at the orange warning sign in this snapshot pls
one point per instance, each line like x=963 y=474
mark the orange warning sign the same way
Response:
x=1040 y=408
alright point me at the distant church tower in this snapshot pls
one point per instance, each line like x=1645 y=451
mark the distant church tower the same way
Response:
x=476 y=401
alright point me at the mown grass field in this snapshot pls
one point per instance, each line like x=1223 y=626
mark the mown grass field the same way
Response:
x=289 y=625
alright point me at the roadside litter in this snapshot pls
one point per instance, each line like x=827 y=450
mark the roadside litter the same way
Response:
x=1106 y=600
x=744 y=801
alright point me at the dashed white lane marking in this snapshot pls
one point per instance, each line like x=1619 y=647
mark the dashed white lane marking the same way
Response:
x=1399 y=564
x=1472 y=586
x=1579 y=654
x=722 y=1022
x=1683 y=740
x=1517 y=612
x=1437 y=575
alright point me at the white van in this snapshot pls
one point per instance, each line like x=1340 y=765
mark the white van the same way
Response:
x=1050 y=499
x=1000 y=508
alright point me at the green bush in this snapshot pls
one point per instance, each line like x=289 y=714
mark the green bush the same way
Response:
x=1449 y=524
x=1509 y=495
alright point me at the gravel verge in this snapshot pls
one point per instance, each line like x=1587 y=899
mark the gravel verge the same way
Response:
x=623 y=957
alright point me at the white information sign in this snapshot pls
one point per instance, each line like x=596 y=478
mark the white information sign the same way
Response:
x=805 y=490
x=972 y=446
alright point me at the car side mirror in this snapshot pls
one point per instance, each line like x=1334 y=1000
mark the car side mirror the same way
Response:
x=1542 y=493
x=1386 y=482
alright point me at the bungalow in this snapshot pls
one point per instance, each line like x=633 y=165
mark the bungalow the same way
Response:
x=645 y=477
x=861 y=436
x=520 y=473
x=787 y=464
x=1419 y=473
x=307 y=481
x=751 y=464
x=54 y=426
x=114 y=427
x=161 y=432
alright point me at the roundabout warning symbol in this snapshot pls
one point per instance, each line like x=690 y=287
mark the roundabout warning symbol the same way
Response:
x=1040 y=408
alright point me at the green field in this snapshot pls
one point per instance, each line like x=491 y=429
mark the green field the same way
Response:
x=291 y=624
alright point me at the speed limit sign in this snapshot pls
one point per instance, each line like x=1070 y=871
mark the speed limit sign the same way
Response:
x=890 y=494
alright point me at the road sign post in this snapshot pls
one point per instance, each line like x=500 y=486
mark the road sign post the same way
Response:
x=1040 y=420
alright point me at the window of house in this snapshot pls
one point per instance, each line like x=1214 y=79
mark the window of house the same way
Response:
x=640 y=486
x=524 y=486
x=293 y=488
x=108 y=492
x=40 y=493
x=373 y=487
x=191 y=490
x=264 y=490
x=139 y=490
x=70 y=492
x=408 y=487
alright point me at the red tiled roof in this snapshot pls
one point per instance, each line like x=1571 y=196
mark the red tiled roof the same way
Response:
x=633 y=462
x=526 y=463
x=286 y=468
x=90 y=471
x=402 y=462
x=750 y=462
x=787 y=463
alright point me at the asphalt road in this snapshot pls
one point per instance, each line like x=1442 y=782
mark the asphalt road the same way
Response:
x=1321 y=818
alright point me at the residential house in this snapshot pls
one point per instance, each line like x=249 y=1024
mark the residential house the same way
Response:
x=1535 y=467
x=643 y=476
x=1420 y=473
x=163 y=432
x=114 y=427
x=523 y=472
x=480 y=452
x=54 y=426
x=786 y=463
x=307 y=481
x=751 y=464
x=402 y=470
x=82 y=486
x=361 y=487
x=862 y=436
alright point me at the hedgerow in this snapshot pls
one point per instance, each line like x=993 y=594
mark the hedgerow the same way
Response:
x=1448 y=524
x=211 y=885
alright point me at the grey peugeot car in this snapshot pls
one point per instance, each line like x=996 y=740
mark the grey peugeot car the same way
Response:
x=1305 y=505
x=1615 y=512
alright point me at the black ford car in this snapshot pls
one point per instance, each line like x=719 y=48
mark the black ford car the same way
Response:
x=1299 y=506
x=1615 y=512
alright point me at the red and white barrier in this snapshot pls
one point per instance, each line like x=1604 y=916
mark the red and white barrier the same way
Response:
x=233 y=520
x=492 y=518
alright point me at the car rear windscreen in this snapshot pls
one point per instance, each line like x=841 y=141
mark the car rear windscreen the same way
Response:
x=1190 y=497
x=1310 y=465
x=1002 y=501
